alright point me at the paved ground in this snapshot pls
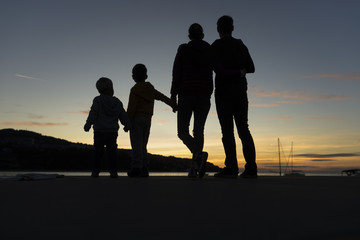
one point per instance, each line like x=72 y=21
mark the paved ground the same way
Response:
x=181 y=208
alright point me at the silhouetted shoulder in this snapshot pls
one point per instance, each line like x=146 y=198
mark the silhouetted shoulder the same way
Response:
x=182 y=47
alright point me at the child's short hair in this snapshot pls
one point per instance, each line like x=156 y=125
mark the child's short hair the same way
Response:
x=225 y=24
x=139 y=72
x=105 y=86
x=196 y=31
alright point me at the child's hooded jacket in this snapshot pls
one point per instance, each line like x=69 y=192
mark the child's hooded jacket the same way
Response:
x=105 y=113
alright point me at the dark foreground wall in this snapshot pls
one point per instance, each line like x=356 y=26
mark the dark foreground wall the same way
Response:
x=181 y=208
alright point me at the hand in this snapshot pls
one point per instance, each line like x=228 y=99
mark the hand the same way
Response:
x=87 y=127
x=174 y=105
x=243 y=72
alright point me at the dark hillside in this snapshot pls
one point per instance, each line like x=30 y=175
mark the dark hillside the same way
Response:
x=26 y=150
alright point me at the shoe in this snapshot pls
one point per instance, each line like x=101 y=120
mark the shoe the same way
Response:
x=202 y=158
x=193 y=173
x=134 y=172
x=94 y=174
x=226 y=173
x=145 y=172
x=249 y=174
x=114 y=175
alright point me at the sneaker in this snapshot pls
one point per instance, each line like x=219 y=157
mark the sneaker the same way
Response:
x=249 y=174
x=134 y=172
x=193 y=173
x=202 y=158
x=226 y=173
x=114 y=175
x=145 y=172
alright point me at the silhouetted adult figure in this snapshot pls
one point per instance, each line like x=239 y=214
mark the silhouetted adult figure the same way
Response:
x=192 y=84
x=232 y=62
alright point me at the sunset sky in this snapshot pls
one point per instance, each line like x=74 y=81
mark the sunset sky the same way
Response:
x=305 y=88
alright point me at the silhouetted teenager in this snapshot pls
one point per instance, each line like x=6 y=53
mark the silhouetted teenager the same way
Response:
x=231 y=63
x=104 y=115
x=140 y=110
x=192 y=84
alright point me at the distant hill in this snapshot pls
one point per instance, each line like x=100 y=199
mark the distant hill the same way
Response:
x=26 y=150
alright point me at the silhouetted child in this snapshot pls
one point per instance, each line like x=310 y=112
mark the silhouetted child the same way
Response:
x=140 y=111
x=104 y=115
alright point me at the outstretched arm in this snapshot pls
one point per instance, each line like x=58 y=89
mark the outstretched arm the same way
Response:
x=92 y=115
x=124 y=119
x=165 y=99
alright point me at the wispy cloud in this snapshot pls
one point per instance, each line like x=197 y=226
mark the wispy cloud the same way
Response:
x=160 y=121
x=341 y=76
x=28 y=77
x=32 y=124
x=326 y=156
x=299 y=96
x=323 y=160
x=265 y=105
x=277 y=118
x=325 y=118
x=82 y=112
x=35 y=116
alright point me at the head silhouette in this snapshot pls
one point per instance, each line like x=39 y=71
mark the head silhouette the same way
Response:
x=105 y=86
x=139 y=73
x=196 y=32
x=225 y=25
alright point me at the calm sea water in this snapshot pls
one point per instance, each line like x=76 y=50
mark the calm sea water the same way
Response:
x=152 y=174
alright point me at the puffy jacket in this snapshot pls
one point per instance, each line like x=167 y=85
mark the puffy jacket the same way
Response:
x=105 y=113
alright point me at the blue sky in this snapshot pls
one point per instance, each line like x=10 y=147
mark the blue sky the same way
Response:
x=305 y=88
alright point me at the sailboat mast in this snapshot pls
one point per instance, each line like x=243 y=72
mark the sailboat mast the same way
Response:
x=292 y=157
x=279 y=155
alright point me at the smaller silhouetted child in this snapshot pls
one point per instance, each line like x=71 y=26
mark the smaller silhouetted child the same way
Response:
x=104 y=115
x=140 y=111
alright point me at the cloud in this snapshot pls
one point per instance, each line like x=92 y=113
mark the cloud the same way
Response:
x=291 y=102
x=346 y=76
x=35 y=116
x=160 y=121
x=277 y=118
x=325 y=118
x=32 y=124
x=299 y=96
x=325 y=156
x=323 y=160
x=264 y=105
x=28 y=77
x=82 y=112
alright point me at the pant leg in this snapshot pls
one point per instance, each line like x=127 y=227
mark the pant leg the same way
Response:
x=225 y=114
x=111 y=148
x=136 y=144
x=185 y=109
x=201 y=112
x=99 y=144
x=139 y=136
x=146 y=134
x=241 y=121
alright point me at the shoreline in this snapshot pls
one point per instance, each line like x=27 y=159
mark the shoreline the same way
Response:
x=152 y=173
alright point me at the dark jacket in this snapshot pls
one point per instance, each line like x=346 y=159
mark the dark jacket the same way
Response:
x=229 y=57
x=141 y=100
x=105 y=113
x=192 y=73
